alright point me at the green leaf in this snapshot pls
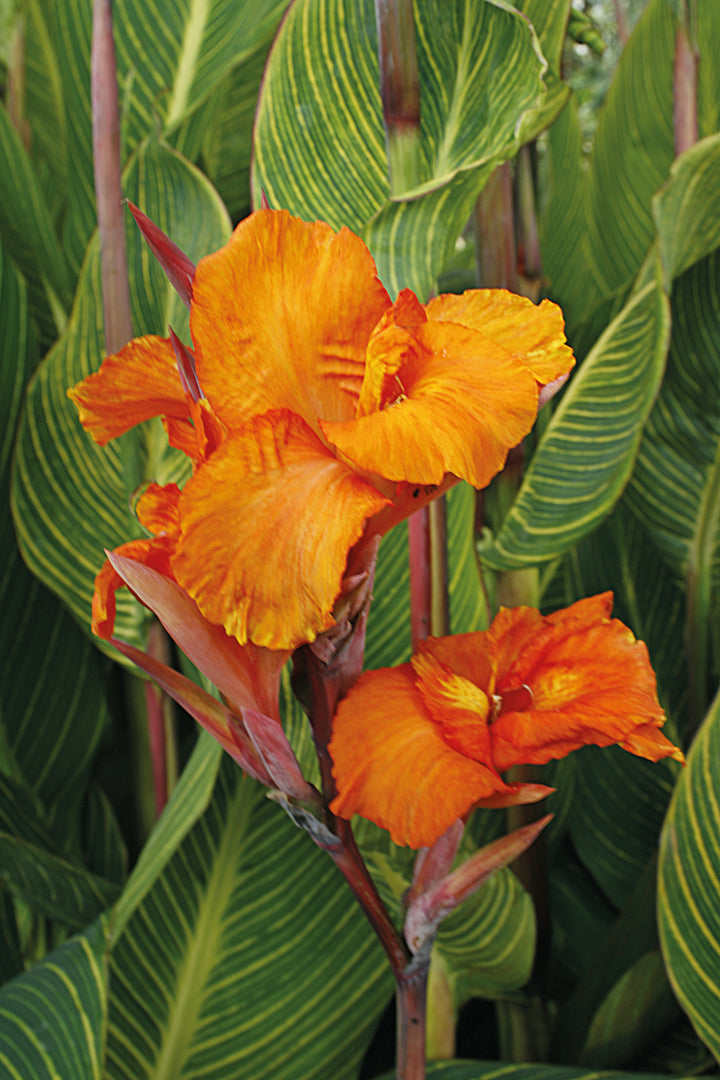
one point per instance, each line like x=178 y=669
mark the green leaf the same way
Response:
x=687 y=209
x=227 y=138
x=245 y=957
x=633 y=151
x=598 y=226
x=487 y=945
x=635 y=1013
x=51 y=689
x=187 y=804
x=494 y=1070
x=688 y=884
x=675 y=489
x=468 y=604
x=549 y=19
x=53 y=1017
x=51 y=885
x=71 y=496
x=183 y=53
x=25 y=224
x=319 y=136
x=618 y=813
x=588 y=450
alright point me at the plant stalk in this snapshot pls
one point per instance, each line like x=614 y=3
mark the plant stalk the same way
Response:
x=410 y=996
x=108 y=190
x=400 y=92
x=685 y=119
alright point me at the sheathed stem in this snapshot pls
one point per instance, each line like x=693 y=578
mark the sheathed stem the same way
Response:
x=410 y=996
x=400 y=92
x=108 y=191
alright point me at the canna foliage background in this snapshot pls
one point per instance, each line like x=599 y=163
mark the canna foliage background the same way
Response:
x=217 y=942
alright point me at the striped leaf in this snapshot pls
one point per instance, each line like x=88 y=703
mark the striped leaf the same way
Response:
x=588 y=450
x=170 y=61
x=187 y=804
x=618 y=811
x=549 y=19
x=639 y=1008
x=675 y=489
x=495 y=1070
x=687 y=209
x=53 y=1017
x=633 y=152
x=487 y=946
x=51 y=688
x=598 y=225
x=70 y=496
x=51 y=885
x=28 y=232
x=689 y=882
x=172 y=58
x=245 y=957
x=227 y=138
x=319 y=136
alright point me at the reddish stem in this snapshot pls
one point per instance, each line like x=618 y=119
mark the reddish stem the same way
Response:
x=108 y=191
x=155 y=702
x=420 y=575
x=411 y=996
x=685 y=121
x=495 y=232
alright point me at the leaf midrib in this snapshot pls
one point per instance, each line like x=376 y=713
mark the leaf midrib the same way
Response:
x=202 y=951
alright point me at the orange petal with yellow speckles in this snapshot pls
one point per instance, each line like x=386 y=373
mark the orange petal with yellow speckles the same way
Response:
x=135 y=384
x=281 y=317
x=534 y=333
x=462 y=403
x=266 y=526
x=392 y=765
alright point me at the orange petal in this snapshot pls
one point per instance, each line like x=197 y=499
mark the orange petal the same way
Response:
x=591 y=683
x=462 y=402
x=533 y=333
x=459 y=707
x=199 y=436
x=392 y=765
x=267 y=523
x=281 y=317
x=646 y=741
x=154 y=552
x=467 y=655
x=139 y=382
x=157 y=509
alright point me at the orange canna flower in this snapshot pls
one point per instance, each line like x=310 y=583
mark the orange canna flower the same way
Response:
x=317 y=413
x=417 y=746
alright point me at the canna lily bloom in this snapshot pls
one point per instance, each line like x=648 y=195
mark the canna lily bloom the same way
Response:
x=417 y=746
x=317 y=414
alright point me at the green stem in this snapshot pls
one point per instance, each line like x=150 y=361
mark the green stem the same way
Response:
x=400 y=92
x=441 y=1012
